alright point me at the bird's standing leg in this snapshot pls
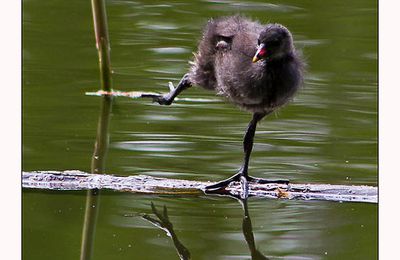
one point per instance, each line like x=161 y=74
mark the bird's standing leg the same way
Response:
x=248 y=143
x=168 y=98
x=243 y=175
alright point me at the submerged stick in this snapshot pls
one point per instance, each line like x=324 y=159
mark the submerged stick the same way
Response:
x=77 y=180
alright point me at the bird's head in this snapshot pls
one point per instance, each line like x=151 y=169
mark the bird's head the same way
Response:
x=275 y=41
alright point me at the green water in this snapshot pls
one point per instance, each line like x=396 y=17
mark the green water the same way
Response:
x=327 y=135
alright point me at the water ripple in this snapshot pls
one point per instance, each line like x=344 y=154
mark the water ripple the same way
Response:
x=153 y=146
x=230 y=4
x=170 y=50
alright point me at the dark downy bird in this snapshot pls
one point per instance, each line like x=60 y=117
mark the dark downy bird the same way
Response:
x=256 y=67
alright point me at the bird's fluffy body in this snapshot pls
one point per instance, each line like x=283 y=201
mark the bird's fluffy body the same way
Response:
x=223 y=63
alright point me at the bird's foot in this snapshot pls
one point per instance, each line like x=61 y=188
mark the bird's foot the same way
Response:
x=244 y=183
x=267 y=181
x=224 y=183
x=168 y=98
x=162 y=99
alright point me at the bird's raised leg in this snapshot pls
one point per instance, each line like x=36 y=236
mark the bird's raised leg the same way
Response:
x=168 y=98
x=243 y=175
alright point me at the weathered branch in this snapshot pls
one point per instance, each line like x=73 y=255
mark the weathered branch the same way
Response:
x=77 y=180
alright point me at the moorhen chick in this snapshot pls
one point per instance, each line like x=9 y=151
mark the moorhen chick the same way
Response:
x=254 y=66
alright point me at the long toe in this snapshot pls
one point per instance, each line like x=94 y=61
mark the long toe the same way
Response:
x=223 y=184
x=267 y=181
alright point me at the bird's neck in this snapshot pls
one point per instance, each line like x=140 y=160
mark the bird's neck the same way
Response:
x=281 y=58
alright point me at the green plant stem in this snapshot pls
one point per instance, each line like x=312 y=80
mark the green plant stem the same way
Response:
x=102 y=140
x=102 y=43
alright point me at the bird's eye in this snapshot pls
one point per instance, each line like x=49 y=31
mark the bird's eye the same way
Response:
x=274 y=42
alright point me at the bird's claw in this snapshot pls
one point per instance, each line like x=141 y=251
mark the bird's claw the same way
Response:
x=244 y=181
x=162 y=99
x=166 y=98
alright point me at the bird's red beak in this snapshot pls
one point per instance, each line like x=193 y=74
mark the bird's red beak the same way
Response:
x=260 y=53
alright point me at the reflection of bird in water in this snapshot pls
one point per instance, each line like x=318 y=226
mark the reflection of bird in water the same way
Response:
x=254 y=66
x=163 y=223
x=248 y=233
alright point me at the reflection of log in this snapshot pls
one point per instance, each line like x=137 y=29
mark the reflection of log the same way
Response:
x=77 y=180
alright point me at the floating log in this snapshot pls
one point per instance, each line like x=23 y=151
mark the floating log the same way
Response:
x=78 y=180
